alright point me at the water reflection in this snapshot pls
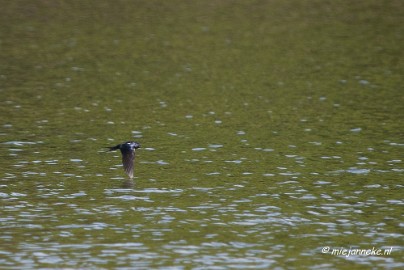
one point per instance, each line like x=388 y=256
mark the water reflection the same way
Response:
x=128 y=183
x=252 y=216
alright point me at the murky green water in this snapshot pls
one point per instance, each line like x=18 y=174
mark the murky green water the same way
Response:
x=271 y=131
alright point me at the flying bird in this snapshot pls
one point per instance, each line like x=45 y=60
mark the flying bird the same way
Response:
x=128 y=155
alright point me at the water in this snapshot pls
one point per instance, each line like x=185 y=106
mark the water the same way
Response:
x=269 y=141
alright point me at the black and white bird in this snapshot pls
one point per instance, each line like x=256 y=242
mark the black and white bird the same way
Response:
x=128 y=155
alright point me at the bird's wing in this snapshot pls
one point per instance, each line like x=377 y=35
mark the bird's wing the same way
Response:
x=113 y=147
x=128 y=159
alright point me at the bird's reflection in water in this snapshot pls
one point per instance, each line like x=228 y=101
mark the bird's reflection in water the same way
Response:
x=128 y=183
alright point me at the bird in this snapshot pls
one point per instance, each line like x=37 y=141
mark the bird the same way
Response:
x=128 y=155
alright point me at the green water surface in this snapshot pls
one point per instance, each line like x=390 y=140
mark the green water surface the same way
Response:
x=271 y=131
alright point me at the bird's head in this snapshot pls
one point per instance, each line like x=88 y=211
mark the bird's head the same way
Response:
x=133 y=145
